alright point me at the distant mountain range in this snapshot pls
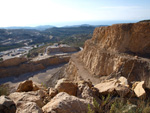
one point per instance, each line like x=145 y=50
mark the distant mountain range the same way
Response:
x=44 y=27
x=84 y=25
x=40 y=28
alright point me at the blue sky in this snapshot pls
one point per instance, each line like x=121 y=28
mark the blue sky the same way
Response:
x=66 y=12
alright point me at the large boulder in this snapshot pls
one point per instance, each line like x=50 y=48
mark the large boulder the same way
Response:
x=7 y=105
x=67 y=86
x=64 y=103
x=27 y=86
x=28 y=97
x=139 y=89
x=107 y=87
x=113 y=86
x=28 y=107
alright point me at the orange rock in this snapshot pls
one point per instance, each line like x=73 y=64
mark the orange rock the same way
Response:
x=25 y=86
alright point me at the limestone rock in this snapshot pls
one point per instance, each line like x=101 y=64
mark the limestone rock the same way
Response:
x=67 y=86
x=64 y=103
x=7 y=105
x=123 y=81
x=28 y=85
x=27 y=97
x=28 y=107
x=25 y=86
x=139 y=89
x=107 y=86
x=122 y=38
x=112 y=86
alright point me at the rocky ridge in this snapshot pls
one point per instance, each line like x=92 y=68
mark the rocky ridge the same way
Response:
x=113 y=51
x=18 y=66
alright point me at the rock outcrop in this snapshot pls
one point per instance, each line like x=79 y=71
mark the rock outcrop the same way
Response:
x=117 y=50
x=18 y=66
x=12 y=62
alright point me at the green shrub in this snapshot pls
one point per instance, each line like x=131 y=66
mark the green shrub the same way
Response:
x=89 y=109
x=118 y=105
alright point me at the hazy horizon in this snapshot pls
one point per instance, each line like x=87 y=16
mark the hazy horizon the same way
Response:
x=62 y=24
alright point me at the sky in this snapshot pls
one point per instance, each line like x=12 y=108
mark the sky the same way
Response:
x=67 y=12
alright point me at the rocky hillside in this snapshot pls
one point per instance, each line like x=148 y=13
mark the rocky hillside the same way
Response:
x=117 y=50
x=110 y=75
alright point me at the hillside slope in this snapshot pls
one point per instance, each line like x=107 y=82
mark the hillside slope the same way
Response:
x=113 y=51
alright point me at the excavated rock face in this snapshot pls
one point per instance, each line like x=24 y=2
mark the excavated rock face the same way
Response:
x=121 y=49
x=18 y=66
x=12 y=62
x=130 y=38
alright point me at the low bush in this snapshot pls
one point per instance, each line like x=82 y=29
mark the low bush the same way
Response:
x=112 y=104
